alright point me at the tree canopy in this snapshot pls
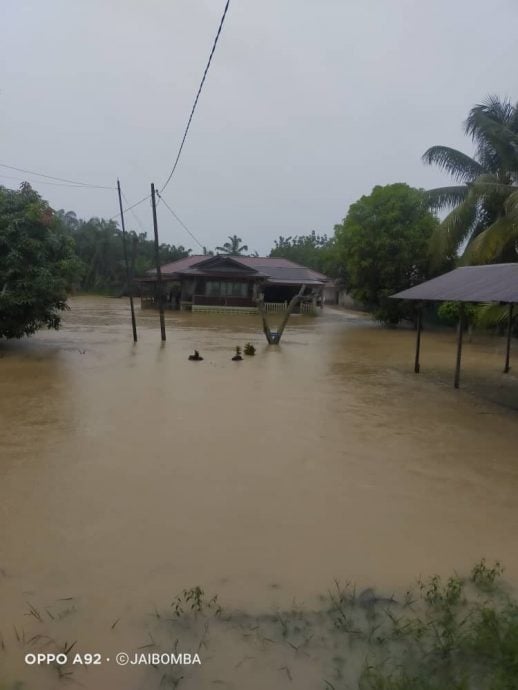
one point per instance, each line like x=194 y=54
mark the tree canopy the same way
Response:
x=314 y=251
x=37 y=263
x=483 y=221
x=98 y=245
x=383 y=243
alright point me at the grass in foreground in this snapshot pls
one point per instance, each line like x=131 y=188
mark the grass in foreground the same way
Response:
x=442 y=634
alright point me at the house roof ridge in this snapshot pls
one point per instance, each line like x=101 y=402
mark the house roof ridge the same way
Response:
x=277 y=268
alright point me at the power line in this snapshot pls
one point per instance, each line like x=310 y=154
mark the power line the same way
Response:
x=197 y=96
x=139 y=222
x=74 y=183
x=37 y=182
x=180 y=221
x=137 y=203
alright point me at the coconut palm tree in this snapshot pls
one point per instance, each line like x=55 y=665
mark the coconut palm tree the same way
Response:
x=483 y=220
x=233 y=247
x=68 y=218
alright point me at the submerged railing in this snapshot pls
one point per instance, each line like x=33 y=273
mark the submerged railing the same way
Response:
x=307 y=308
x=275 y=306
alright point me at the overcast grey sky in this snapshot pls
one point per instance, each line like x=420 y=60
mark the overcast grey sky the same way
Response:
x=307 y=106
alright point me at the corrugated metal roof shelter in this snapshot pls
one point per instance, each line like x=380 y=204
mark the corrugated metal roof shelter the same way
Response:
x=490 y=283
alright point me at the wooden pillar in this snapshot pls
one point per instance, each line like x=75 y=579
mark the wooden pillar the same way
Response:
x=508 y=344
x=460 y=333
x=417 y=365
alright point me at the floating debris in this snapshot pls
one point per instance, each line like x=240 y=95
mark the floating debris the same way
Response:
x=237 y=357
x=195 y=357
x=249 y=350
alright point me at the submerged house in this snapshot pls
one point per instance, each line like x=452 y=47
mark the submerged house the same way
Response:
x=233 y=283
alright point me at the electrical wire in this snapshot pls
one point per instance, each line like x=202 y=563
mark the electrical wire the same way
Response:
x=74 y=183
x=137 y=203
x=139 y=222
x=181 y=222
x=197 y=97
x=37 y=182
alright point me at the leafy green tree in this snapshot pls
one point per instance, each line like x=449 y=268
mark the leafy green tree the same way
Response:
x=233 y=247
x=313 y=250
x=144 y=252
x=37 y=263
x=483 y=221
x=98 y=245
x=383 y=244
x=449 y=312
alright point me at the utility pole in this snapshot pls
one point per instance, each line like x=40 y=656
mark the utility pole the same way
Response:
x=129 y=276
x=157 y=261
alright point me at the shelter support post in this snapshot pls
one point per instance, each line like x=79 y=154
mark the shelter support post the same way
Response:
x=508 y=344
x=460 y=333
x=417 y=364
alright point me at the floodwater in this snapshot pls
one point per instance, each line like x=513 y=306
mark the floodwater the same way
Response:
x=128 y=473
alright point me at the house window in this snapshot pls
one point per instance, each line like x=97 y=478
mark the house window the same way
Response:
x=212 y=288
x=226 y=288
x=234 y=289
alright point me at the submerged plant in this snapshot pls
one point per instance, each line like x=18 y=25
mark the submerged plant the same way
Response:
x=194 y=600
x=484 y=576
x=445 y=634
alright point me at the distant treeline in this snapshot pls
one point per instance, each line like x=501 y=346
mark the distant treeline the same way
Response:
x=99 y=248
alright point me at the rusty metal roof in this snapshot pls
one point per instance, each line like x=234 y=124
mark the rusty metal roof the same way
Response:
x=276 y=270
x=489 y=283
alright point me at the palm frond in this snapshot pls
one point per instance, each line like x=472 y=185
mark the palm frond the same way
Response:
x=453 y=231
x=490 y=314
x=490 y=185
x=498 y=110
x=491 y=242
x=444 y=197
x=492 y=126
x=511 y=205
x=459 y=165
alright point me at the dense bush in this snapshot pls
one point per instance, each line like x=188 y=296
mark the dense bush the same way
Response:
x=37 y=264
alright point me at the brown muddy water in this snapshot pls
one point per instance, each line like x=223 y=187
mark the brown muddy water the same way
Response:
x=128 y=473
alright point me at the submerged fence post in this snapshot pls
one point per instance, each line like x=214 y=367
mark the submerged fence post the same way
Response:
x=417 y=365
x=129 y=274
x=459 y=345
x=508 y=344
x=157 y=261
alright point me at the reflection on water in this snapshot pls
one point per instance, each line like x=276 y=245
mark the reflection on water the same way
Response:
x=128 y=473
